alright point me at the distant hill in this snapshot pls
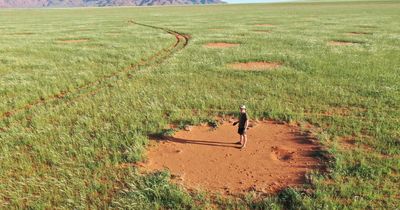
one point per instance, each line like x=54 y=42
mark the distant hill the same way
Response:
x=99 y=3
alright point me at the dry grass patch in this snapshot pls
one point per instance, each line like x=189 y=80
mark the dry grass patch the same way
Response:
x=355 y=33
x=73 y=40
x=347 y=142
x=113 y=33
x=255 y=66
x=264 y=24
x=220 y=45
x=341 y=43
x=215 y=29
x=367 y=26
x=262 y=31
x=23 y=33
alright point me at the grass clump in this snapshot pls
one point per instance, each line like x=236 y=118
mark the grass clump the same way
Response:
x=153 y=192
x=290 y=199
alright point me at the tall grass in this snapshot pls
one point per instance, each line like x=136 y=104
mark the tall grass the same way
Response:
x=72 y=153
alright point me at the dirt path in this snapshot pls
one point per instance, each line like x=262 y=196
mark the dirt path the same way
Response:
x=182 y=41
x=277 y=156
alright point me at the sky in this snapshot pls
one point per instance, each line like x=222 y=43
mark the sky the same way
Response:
x=250 y=1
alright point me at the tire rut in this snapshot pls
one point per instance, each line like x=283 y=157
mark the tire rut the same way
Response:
x=182 y=40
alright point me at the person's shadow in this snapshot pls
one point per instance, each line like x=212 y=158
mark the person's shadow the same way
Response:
x=200 y=142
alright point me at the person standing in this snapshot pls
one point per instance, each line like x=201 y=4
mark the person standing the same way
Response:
x=243 y=125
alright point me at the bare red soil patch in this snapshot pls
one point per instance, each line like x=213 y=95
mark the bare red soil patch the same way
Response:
x=220 y=45
x=340 y=43
x=255 y=66
x=73 y=40
x=277 y=156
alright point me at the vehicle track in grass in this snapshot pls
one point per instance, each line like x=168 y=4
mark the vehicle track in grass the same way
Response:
x=182 y=40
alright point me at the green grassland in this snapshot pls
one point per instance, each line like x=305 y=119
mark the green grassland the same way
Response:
x=69 y=152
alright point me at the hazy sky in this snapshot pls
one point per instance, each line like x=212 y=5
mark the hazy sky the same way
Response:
x=250 y=1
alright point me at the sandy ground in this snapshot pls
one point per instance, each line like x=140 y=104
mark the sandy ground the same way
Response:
x=276 y=156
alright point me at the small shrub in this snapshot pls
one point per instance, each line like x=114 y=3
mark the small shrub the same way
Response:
x=213 y=123
x=360 y=170
x=167 y=132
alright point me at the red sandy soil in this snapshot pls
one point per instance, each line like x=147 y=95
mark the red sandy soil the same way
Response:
x=338 y=43
x=74 y=41
x=220 y=45
x=255 y=66
x=276 y=156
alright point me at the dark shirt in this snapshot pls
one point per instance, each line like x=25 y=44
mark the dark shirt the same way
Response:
x=242 y=119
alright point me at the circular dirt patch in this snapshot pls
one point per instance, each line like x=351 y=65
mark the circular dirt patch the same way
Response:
x=220 y=45
x=73 y=40
x=340 y=43
x=277 y=156
x=255 y=66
